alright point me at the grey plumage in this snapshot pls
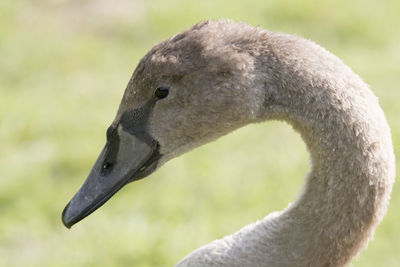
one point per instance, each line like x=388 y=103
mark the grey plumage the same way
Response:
x=224 y=75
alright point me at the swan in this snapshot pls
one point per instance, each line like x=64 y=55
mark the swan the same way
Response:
x=218 y=76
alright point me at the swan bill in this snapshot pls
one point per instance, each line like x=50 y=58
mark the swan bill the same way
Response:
x=125 y=158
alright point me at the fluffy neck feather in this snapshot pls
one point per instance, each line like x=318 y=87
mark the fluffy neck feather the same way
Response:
x=348 y=188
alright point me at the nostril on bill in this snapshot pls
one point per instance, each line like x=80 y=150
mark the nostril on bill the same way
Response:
x=106 y=168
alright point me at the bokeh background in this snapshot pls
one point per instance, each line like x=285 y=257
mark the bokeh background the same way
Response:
x=64 y=65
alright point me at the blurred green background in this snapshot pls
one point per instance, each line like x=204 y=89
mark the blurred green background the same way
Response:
x=64 y=65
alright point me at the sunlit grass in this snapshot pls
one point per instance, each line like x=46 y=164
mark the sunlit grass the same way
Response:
x=64 y=66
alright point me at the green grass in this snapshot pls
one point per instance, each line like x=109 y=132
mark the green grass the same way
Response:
x=63 y=69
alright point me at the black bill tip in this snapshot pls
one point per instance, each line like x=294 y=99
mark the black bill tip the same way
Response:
x=65 y=221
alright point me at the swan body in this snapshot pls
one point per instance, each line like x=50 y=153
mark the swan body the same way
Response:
x=222 y=75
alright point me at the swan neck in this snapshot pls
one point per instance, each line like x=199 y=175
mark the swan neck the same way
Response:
x=352 y=162
x=347 y=191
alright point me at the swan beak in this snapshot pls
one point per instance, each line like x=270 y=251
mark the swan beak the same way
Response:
x=125 y=158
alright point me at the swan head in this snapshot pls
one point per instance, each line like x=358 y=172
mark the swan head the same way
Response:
x=186 y=91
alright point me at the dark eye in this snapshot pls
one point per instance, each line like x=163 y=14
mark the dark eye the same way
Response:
x=161 y=92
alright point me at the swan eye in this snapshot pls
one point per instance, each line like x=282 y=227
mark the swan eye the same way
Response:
x=161 y=92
